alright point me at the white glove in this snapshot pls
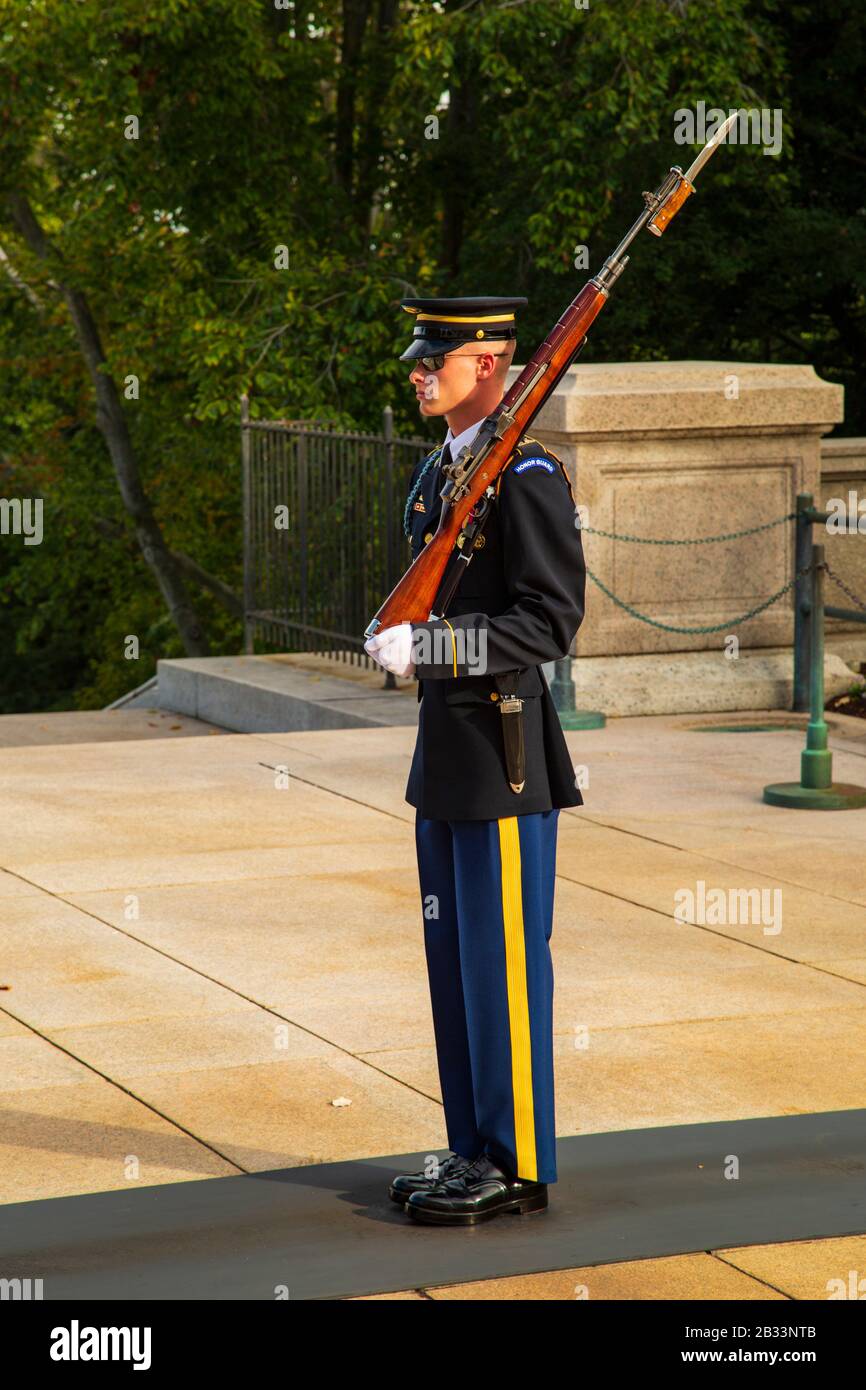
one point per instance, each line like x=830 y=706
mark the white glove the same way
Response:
x=393 y=649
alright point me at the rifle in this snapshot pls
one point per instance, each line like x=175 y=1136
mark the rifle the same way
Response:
x=431 y=580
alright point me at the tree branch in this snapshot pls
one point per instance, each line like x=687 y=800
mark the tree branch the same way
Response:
x=19 y=283
x=190 y=567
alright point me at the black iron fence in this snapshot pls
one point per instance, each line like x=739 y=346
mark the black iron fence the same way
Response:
x=323 y=530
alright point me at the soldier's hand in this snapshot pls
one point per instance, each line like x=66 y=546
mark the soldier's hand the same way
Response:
x=393 y=649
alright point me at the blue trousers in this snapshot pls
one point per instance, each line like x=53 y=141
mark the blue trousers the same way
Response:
x=487 y=901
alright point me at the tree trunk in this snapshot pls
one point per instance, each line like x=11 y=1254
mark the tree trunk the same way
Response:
x=111 y=422
x=380 y=75
x=355 y=13
x=457 y=168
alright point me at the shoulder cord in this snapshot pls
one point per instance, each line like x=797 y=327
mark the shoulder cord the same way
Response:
x=429 y=462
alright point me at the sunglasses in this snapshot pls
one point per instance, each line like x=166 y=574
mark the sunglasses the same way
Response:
x=435 y=364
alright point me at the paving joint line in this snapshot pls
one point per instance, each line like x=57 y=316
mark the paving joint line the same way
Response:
x=112 y=1081
x=591 y=820
x=714 y=859
x=221 y=984
x=703 y=926
x=716 y=1255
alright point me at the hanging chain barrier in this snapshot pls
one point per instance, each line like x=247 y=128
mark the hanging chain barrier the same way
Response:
x=807 y=563
x=696 y=540
x=807 y=513
x=844 y=587
x=708 y=627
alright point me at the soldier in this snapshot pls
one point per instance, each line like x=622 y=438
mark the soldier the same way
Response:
x=485 y=830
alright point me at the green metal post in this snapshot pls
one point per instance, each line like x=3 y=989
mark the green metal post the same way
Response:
x=816 y=760
x=562 y=690
x=803 y=609
x=816 y=790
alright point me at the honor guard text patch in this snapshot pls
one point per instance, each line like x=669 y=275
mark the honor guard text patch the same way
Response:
x=535 y=463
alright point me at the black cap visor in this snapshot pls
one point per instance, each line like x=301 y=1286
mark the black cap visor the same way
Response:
x=428 y=347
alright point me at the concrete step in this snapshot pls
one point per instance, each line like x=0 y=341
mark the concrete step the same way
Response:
x=112 y=725
x=283 y=692
x=698 y=682
x=287 y=691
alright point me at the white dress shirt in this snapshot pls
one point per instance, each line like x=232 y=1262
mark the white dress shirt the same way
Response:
x=465 y=437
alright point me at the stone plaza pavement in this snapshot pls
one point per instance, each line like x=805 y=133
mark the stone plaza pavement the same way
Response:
x=198 y=962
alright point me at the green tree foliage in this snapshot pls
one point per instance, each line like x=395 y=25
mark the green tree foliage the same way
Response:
x=300 y=167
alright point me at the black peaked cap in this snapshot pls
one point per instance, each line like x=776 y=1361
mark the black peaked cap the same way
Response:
x=444 y=324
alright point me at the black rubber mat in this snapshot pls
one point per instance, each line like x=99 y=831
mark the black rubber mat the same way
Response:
x=330 y=1231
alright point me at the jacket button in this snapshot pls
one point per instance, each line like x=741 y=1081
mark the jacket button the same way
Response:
x=428 y=538
x=493 y=695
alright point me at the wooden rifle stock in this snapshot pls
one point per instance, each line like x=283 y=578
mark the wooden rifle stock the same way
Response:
x=471 y=478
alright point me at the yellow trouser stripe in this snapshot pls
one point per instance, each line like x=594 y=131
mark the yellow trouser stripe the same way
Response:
x=518 y=999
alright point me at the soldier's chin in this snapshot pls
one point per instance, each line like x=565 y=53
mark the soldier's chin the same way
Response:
x=430 y=407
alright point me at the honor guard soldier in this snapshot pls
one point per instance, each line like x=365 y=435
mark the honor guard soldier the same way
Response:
x=488 y=790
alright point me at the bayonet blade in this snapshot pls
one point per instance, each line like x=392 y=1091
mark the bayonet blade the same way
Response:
x=710 y=147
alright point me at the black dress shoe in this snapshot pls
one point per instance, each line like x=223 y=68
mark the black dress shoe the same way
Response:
x=478 y=1192
x=405 y=1184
